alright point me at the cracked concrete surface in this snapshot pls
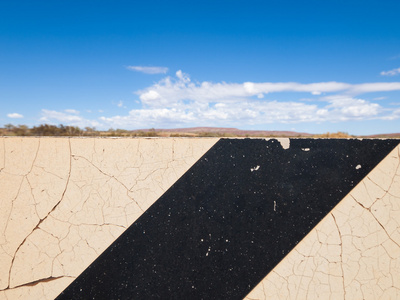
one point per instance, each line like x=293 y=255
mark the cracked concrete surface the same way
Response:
x=353 y=253
x=65 y=200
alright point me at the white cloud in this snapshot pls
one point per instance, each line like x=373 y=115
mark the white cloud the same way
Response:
x=171 y=91
x=149 y=96
x=48 y=115
x=391 y=72
x=15 y=116
x=148 y=70
x=230 y=103
x=56 y=117
x=250 y=112
x=219 y=115
x=181 y=102
x=346 y=108
x=72 y=111
x=182 y=76
x=374 y=87
x=395 y=114
x=120 y=104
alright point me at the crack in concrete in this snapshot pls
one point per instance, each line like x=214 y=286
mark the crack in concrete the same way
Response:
x=34 y=160
x=341 y=254
x=87 y=224
x=51 y=173
x=302 y=275
x=376 y=219
x=40 y=220
x=111 y=177
x=41 y=226
x=12 y=207
x=4 y=155
x=25 y=176
x=391 y=183
x=36 y=282
x=368 y=249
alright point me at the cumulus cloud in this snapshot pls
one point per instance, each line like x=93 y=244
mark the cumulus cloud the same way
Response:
x=237 y=114
x=67 y=117
x=391 y=72
x=148 y=70
x=341 y=108
x=15 y=116
x=182 y=76
x=72 y=111
x=48 y=115
x=178 y=101
x=171 y=91
x=346 y=108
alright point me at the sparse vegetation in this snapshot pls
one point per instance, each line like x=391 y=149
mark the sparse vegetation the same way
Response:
x=337 y=135
x=61 y=130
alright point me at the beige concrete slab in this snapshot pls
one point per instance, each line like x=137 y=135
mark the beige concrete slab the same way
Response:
x=65 y=200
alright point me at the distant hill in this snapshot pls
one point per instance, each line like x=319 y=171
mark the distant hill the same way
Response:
x=221 y=131
x=387 y=135
x=61 y=130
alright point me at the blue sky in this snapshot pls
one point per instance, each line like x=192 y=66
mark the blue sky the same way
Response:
x=308 y=66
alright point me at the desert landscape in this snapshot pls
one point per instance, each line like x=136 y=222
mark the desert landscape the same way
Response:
x=61 y=130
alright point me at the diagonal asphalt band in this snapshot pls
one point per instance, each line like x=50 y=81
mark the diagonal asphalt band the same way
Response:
x=229 y=220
